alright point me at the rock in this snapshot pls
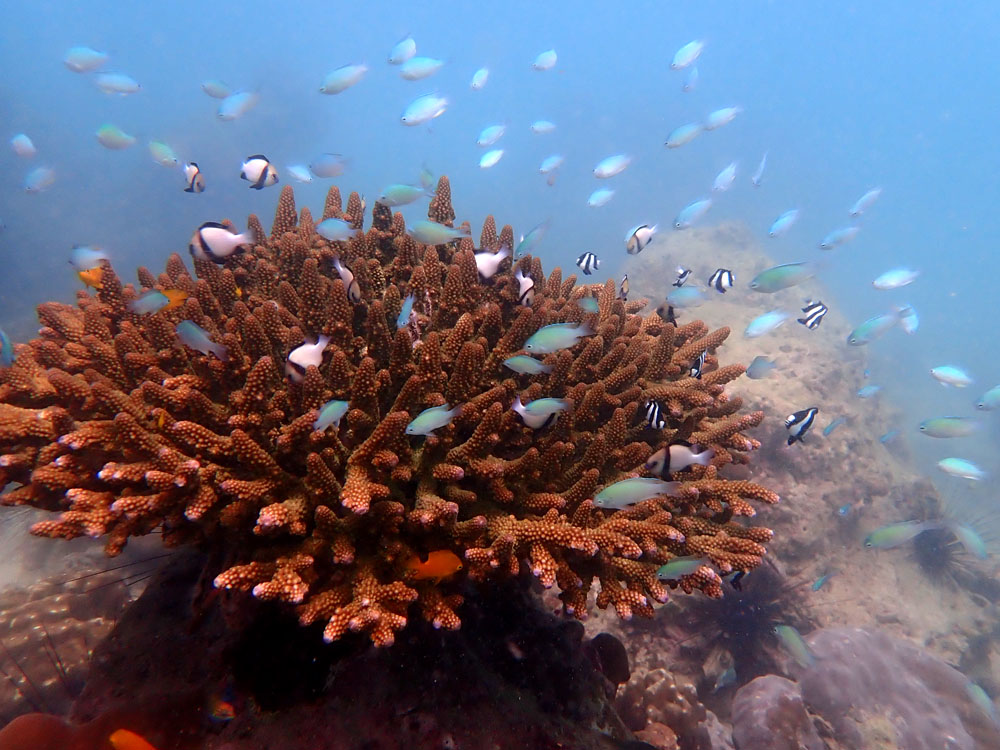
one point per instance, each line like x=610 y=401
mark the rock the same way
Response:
x=768 y=714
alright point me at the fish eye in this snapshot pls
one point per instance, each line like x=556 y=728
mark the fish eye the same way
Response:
x=922 y=428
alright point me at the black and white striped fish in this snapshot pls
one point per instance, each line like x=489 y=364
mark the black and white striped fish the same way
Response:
x=798 y=423
x=721 y=280
x=216 y=242
x=814 y=312
x=259 y=171
x=666 y=312
x=623 y=289
x=654 y=415
x=195 y=181
x=698 y=365
x=588 y=263
x=682 y=276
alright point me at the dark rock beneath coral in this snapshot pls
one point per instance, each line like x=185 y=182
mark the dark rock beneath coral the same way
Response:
x=513 y=676
x=768 y=714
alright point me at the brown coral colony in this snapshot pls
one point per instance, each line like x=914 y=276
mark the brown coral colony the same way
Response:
x=109 y=420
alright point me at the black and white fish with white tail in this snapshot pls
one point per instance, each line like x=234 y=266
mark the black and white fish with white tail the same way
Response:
x=638 y=237
x=678 y=456
x=798 y=423
x=655 y=418
x=216 y=242
x=623 y=289
x=259 y=172
x=682 y=276
x=195 y=182
x=698 y=365
x=721 y=280
x=588 y=263
x=814 y=313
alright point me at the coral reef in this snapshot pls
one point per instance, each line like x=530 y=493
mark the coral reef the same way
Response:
x=108 y=420
x=867 y=689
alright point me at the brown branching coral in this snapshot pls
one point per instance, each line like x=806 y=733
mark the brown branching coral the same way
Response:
x=109 y=420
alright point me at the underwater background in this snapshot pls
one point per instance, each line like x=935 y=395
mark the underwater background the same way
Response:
x=841 y=97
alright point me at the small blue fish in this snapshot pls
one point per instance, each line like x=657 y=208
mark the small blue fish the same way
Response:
x=896 y=534
x=908 y=319
x=838 y=237
x=551 y=163
x=525 y=365
x=972 y=542
x=888 y=437
x=238 y=104
x=542 y=127
x=490 y=135
x=727 y=677
x=417 y=68
x=865 y=202
x=589 y=304
x=611 y=166
x=764 y=324
x=6 y=349
x=531 y=240
x=541 y=412
x=424 y=109
x=783 y=223
x=39 y=179
x=432 y=233
x=85 y=257
x=845 y=510
x=828 y=430
x=402 y=50
x=983 y=701
x=600 y=197
x=725 y=179
x=149 y=302
x=869 y=390
x=691 y=82
x=760 y=368
x=687 y=54
x=795 y=645
x=404 y=314
x=686 y=296
x=680 y=567
x=330 y=414
x=432 y=419
x=951 y=375
x=961 y=468
x=691 y=213
x=556 y=336
x=872 y=328
x=683 y=135
x=401 y=195
x=780 y=277
x=335 y=230
x=821 y=581
x=721 y=117
x=990 y=399
x=759 y=174
x=193 y=335
x=895 y=278
x=341 y=79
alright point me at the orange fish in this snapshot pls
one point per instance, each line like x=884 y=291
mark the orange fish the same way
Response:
x=123 y=739
x=439 y=564
x=176 y=297
x=221 y=710
x=91 y=277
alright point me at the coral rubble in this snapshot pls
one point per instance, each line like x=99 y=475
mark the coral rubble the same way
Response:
x=107 y=419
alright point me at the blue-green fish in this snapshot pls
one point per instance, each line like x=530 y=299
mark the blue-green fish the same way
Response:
x=162 y=154
x=541 y=412
x=479 y=79
x=828 y=430
x=865 y=201
x=821 y=581
x=531 y=240
x=432 y=419
x=424 y=109
x=149 y=302
x=299 y=172
x=525 y=365
x=611 y=165
x=691 y=81
x=728 y=676
x=683 y=135
x=631 y=491
x=895 y=534
x=330 y=413
x=758 y=176
x=764 y=324
x=404 y=314
x=402 y=50
x=760 y=368
x=691 y=213
x=895 y=278
x=783 y=223
x=39 y=179
x=951 y=375
x=793 y=643
x=908 y=319
x=545 y=60
x=686 y=296
x=84 y=59
x=490 y=158
x=22 y=146
x=401 y=195
x=961 y=468
x=600 y=197
x=490 y=135
x=872 y=328
x=417 y=68
x=556 y=336
x=781 y=277
x=551 y=163
x=990 y=399
x=432 y=233
x=869 y=390
x=116 y=83
x=972 y=542
x=979 y=696
x=838 y=237
x=542 y=127
x=888 y=437
x=845 y=510
x=85 y=257
x=589 y=304
x=687 y=54
x=113 y=137
x=343 y=78
x=193 y=335
x=6 y=349
x=725 y=179
x=680 y=567
x=721 y=117
x=236 y=105
x=216 y=89
x=335 y=230
x=948 y=427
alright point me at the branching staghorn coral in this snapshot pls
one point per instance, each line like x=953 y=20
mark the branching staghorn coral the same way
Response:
x=107 y=419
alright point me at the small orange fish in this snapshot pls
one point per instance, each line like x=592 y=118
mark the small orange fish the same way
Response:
x=221 y=710
x=439 y=564
x=123 y=739
x=91 y=277
x=176 y=297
